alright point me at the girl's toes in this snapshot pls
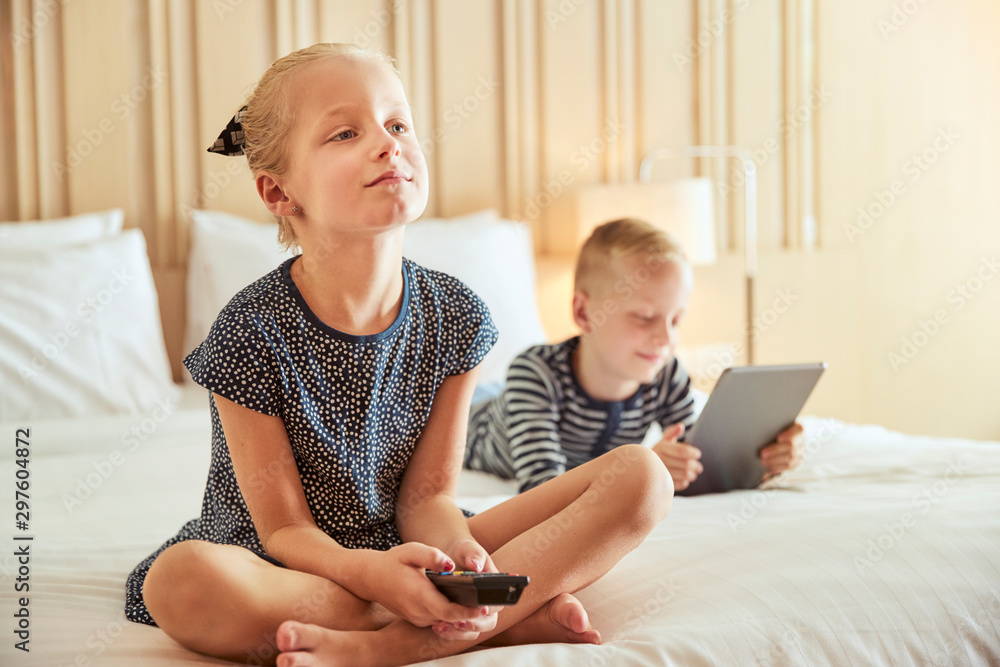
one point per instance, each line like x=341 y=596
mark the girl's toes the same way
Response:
x=287 y=636
x=295 y=660
x=295 y=636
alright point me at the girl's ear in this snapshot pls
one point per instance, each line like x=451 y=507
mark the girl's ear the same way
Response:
x=273 y=196
x=581 y=306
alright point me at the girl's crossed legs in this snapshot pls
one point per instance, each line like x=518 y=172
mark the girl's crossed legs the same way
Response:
x=567 y=533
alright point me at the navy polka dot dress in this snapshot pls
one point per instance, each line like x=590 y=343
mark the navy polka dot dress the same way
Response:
x=353 y=406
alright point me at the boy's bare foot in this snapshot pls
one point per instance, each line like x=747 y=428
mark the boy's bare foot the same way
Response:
x=563 y=619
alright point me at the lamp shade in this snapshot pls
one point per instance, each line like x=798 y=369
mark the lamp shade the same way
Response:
x=685 y=208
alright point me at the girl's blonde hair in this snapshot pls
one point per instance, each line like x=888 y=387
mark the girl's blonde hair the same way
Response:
x=600 y=265
x=268 y=117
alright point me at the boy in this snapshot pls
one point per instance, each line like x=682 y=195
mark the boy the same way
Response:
x=568 y=403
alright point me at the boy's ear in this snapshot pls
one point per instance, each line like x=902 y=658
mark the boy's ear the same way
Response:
x=581 y=303
x=272 y=194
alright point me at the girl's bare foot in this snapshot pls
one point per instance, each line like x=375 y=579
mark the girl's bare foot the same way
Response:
x=563 y=619
x=307 y=645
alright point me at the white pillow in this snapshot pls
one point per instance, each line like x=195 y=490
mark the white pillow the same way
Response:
x=227 y=254
x=75 y=229
x=494 y=257
x=80 y=331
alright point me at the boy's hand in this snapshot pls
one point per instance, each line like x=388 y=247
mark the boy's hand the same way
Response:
x=680 y=458
x=785 y=452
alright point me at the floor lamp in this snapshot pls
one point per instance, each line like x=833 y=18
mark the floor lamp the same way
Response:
x=750 y=217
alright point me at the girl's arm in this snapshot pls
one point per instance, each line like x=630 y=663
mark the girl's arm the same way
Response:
x=269 y=481
x=426 y=511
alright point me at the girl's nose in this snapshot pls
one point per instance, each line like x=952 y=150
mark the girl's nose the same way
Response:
x=388 y=146
x=393 y=151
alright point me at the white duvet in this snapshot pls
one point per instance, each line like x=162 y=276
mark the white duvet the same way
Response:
x=882 y=549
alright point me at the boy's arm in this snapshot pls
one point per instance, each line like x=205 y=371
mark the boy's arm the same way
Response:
x=679 y=404
x=531 y=418
x=676 y=415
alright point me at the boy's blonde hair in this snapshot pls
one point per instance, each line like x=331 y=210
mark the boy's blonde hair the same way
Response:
x=268 y=119
x=601 y=263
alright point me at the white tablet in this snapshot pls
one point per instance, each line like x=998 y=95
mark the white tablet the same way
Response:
x=748 y=408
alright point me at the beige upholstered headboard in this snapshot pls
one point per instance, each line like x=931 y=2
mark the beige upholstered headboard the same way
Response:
x=112 y=103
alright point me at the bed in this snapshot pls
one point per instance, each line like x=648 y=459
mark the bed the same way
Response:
x=882 y=548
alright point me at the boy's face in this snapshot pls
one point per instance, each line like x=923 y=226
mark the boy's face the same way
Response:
x=354 y=161
x=632 y=324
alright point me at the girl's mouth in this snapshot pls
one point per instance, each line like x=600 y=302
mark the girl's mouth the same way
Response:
x=389 y=177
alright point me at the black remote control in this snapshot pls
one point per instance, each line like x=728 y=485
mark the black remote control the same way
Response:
x=475 y=589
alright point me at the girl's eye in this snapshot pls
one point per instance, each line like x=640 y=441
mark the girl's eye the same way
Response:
x=398 y=127
x=342 y=136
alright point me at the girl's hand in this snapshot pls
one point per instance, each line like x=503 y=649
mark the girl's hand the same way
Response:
x=471 y=556
x=396 y=580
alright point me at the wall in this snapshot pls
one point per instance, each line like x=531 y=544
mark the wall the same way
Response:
x=112 y=103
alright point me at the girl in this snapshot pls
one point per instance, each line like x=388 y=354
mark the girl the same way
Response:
x=340 y=388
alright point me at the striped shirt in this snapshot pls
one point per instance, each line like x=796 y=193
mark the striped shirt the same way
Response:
x=543 y=423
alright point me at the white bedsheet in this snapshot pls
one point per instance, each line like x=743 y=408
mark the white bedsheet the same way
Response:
x=882 y=549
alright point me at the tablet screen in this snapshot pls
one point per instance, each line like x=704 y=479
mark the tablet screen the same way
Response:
x=748 y=408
